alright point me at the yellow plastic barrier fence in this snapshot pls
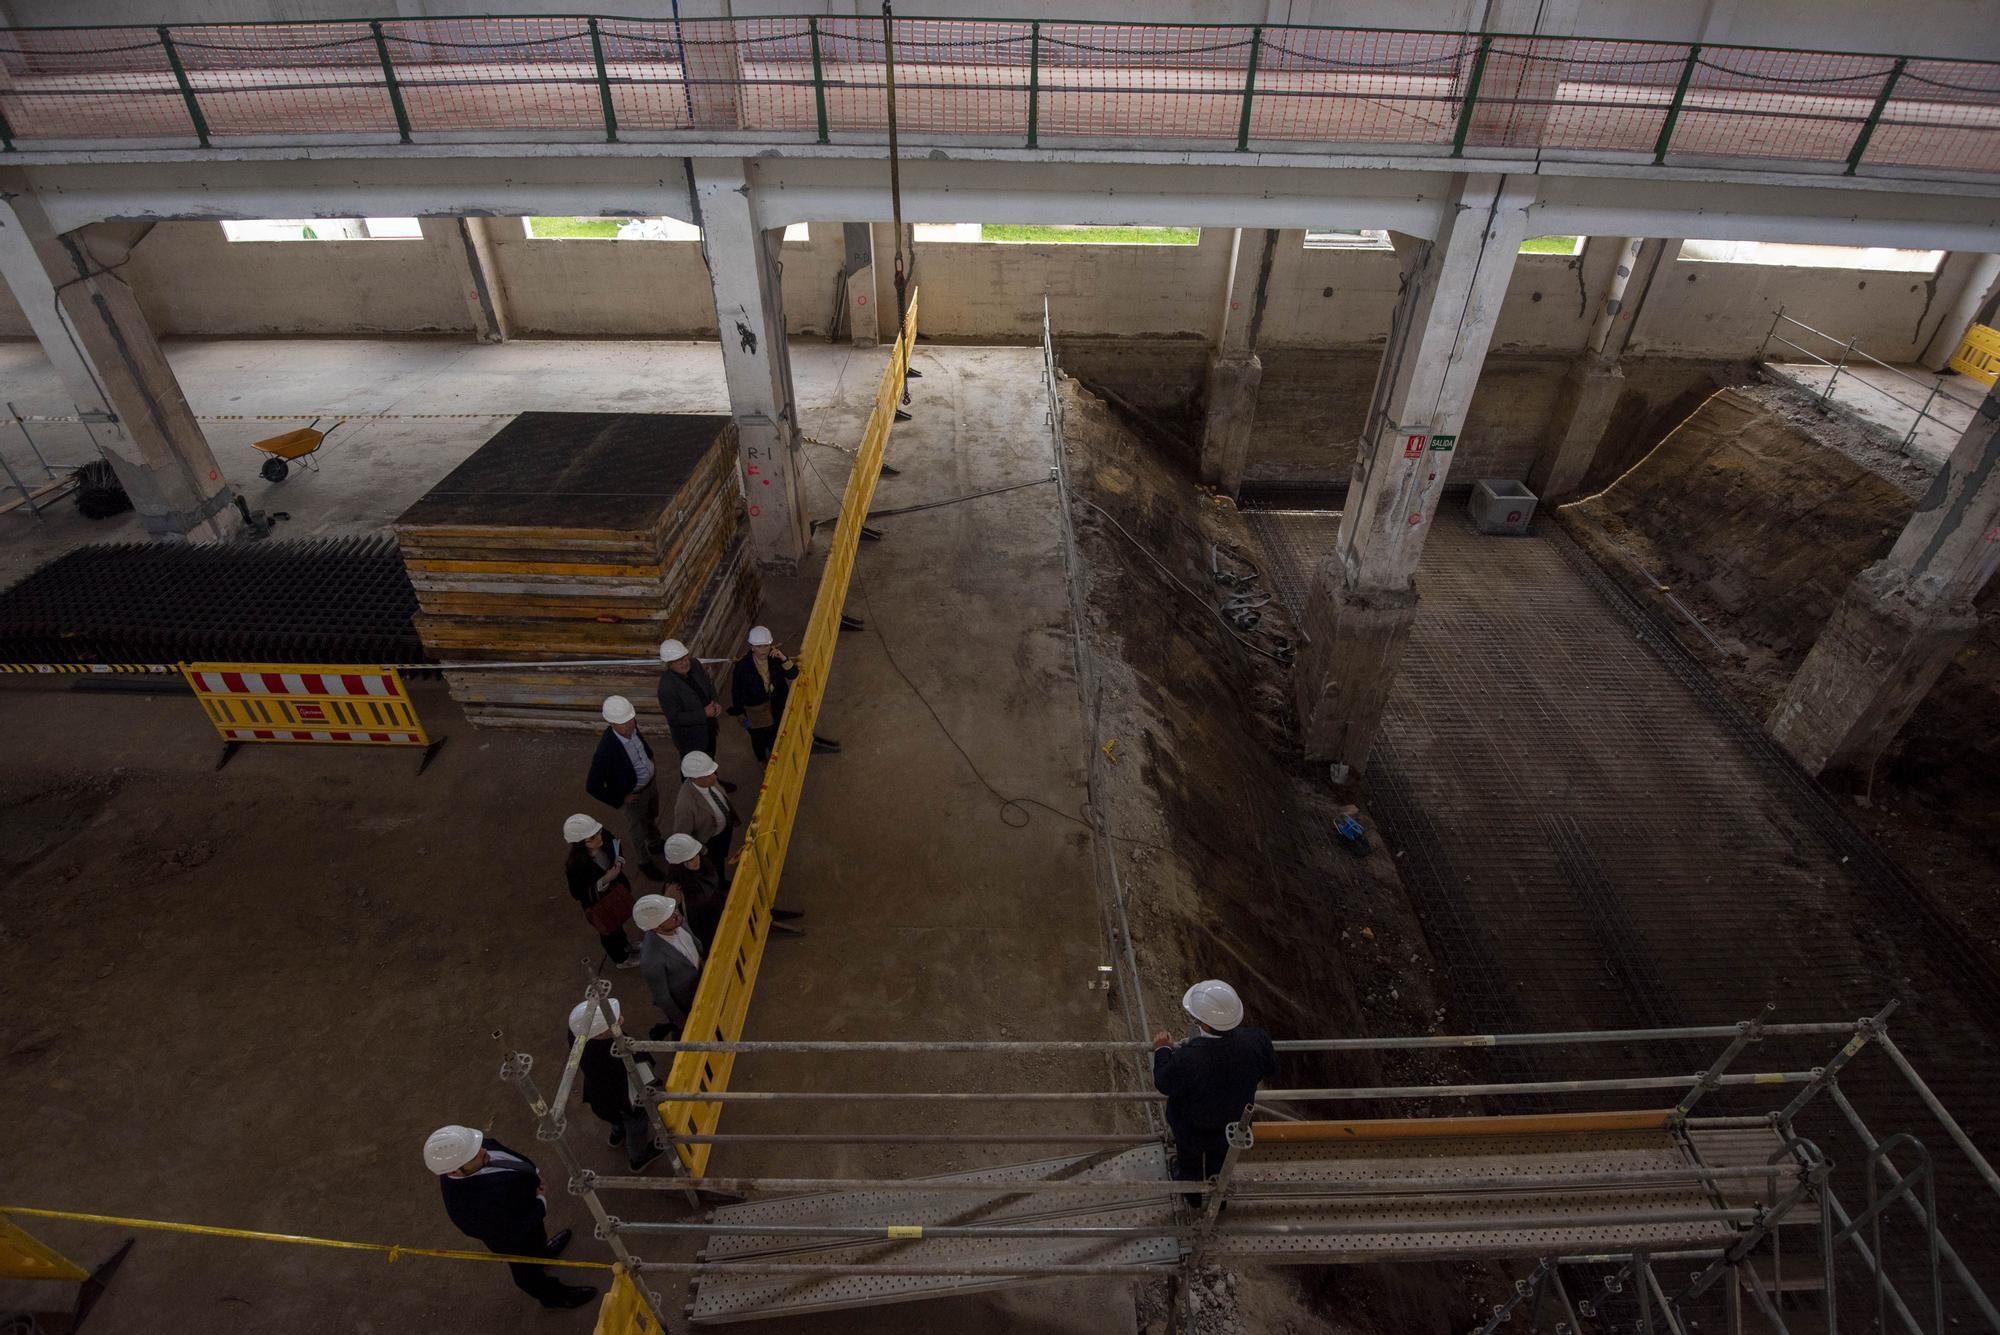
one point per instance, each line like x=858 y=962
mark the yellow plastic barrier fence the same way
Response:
x=623 y=1312
x=340 y=704
x=730 y=975
x=1978 y=354
x=24 y=1256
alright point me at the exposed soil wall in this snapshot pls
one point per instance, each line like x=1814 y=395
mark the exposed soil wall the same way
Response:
x=1756 y=515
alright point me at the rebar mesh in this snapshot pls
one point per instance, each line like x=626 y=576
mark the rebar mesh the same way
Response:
x=1010 y=81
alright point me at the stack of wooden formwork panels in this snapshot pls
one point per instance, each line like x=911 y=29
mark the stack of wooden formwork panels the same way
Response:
x=574 y=536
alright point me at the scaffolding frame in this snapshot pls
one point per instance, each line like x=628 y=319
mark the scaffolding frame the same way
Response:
x=1797 y=1178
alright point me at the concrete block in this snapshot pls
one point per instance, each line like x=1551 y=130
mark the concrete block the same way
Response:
x=1354 y=644
x=1501 y=506
x=1228 y=419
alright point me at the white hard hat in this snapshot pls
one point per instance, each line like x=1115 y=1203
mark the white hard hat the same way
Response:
x=672 y=651
x=652 y=910
x=580 y=827
x=681 y=847
x=451 y=1148
x=617 y=709
x=588 y=1012
x=697 y=764
x=1214 y=1003
x=760 y=635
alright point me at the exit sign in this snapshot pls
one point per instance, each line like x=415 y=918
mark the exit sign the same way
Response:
x=1443 y=442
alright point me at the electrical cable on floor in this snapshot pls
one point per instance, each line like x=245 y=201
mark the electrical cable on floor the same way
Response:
x=1007 y=804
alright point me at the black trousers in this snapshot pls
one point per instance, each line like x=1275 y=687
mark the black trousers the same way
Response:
x=533 y=1280
x=616 y=945
x=1197 y=1162
x=761 y=740
x=702 y=737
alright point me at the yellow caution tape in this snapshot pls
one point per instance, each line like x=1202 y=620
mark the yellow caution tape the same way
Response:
x=906 y=1230
x=392 y=1251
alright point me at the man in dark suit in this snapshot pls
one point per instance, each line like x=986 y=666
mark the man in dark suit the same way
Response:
x=1210 y=1078
x=622 y=777
x=687 y=698
x=495 y=1195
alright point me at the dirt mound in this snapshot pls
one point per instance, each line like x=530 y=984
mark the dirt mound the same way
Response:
x=1754 y=519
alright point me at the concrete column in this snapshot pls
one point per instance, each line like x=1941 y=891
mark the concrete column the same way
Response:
x=744 y=267
x=1898 y=625
x=467 y=248
x=1234 y=372
x=1981 y=286
x=864 y=312
x=1591 y=388
x=1364 y=594
x=90 y=325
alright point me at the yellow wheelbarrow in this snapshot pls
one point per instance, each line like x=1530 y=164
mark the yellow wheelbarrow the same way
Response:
x=293 y=447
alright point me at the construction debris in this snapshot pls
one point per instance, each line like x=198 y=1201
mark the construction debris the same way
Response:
x=579 y=536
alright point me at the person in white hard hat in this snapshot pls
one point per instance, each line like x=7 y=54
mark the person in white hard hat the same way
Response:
x=696 y=881
x=702 y=809
x=597 y=880
x=758 y=687
x=607 y=1086
x=1210 y=1078
x=669 y=960
x=687 y=698
x=495 y=1195
x=622 y=777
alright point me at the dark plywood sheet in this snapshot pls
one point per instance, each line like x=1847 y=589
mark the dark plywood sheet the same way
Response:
x=598 y=471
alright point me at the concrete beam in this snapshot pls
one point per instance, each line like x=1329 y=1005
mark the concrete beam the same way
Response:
x=742 y=251
x=93 y=331
x=467 y=253
x=1898 y=625
x=1363 y=594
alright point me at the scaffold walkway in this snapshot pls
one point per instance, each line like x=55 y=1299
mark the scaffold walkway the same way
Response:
x=1618 y=1196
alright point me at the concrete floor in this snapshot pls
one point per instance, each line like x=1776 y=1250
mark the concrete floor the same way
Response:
x=243 y=998
x=1889 y=402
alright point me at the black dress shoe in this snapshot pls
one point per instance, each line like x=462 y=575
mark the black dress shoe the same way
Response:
x=728 y=787
x=559 y=1243
x=572 y=1295
x=617 y=1135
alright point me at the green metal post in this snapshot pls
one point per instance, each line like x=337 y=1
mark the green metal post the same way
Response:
x=187 y=89
x=1471 y=96
x=1875 y=116
x=1034 y=79
x=603 y=83
x=1249 y=88
x=389 y=81
x=1674 y=108
x=819 y=77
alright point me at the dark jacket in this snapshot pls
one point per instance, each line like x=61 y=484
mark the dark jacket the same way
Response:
x=746 y=688
x=685 y=700
x=606 y=1091
x=700 y=893
x=583 y=872
x=499 y=1206
x=612 y=778
x=1208 y=1080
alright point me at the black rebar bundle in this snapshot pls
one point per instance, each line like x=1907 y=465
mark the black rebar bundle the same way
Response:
x=329 y=600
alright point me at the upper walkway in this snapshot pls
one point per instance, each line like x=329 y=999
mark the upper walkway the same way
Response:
x=810 y=80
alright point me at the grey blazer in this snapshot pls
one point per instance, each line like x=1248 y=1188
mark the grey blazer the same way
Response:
x=669 y=977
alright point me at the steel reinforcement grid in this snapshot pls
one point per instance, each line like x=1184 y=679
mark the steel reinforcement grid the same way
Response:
x=812 y=78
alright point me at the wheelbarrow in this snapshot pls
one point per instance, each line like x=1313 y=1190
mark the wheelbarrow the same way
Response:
x=293 y=447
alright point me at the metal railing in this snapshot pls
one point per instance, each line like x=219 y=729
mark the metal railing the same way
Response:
x=823 y=79
x=1849 y=351
x=1745 y=1202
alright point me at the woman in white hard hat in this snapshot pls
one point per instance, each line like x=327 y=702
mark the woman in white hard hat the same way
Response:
x=758 y=687
x=695 y=879
x=1210 y=1078
x=596 y=872
x=607 y=1086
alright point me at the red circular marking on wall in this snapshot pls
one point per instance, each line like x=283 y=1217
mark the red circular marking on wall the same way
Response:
x=861 y=301
x=1416 y=519
x=211 y=475
x=755 y=511
x=767 y=481
x=1513 y=516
